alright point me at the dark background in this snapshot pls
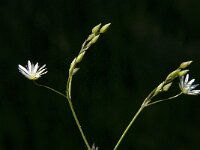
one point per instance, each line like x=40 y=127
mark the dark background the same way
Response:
x=147 y=40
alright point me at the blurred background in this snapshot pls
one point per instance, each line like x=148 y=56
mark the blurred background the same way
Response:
x=146 y=41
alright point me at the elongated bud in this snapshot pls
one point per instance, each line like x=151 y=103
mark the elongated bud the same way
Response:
x=96 y=28
x=73 y=62
x=94 y=40
x=159 y=88
x=185 y=64
x=80 y=57
x=91 y=36
x=173 y=74
x=105 y=28
x=167 y=86
x=183 y=72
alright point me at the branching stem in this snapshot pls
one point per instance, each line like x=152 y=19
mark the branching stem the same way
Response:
x=146 y=103
x=68 y=97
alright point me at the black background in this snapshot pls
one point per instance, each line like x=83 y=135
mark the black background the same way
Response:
x=147 y=40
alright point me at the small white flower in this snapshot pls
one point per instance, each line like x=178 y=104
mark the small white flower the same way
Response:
x=187 y=87
x=31 y=71
x=94 y=148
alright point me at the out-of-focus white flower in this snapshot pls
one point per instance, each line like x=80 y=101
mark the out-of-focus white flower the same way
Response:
x=187 y=86
x=31 y=71
x=94 y=148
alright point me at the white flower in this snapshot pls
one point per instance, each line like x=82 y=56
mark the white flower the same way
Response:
x=94 y=148
x=187 y=87
x=31 y=71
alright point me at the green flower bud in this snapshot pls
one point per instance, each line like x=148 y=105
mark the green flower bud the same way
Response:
x=167 y=86
x=185 y=64
x=91 y=36
x=173 y=74
x=105 y=28
x=73 y=63
x=158 y=89
x=96 y=28
x=80 y=57
x=183 y=72
x=94 y=40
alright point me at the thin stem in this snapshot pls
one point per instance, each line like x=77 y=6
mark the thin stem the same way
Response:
x=145 y=104
x=129 y=126
x=49 y=88
x=166 y=99
x=68 y=96
x=78 y=124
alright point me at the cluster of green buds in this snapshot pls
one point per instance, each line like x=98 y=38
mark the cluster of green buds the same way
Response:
x=180 y=71
x=166 y=84
x=186 y=86
x=91 y=39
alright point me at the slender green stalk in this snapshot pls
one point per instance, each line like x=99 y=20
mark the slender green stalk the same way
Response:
x=68 y=96
x=146 y=103
x=166 y=99
x=92 y=38
x=49 y=88
x=129 y=126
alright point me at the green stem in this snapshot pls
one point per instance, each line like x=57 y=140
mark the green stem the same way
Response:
x=68 y=97
x=166 y=99
x=68 y=94
x=49 y=88
x=145 y=104
x=129 y=126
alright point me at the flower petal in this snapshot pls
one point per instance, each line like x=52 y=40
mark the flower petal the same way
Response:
x=186 y=78
x=187 y=87
x=32 y=72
